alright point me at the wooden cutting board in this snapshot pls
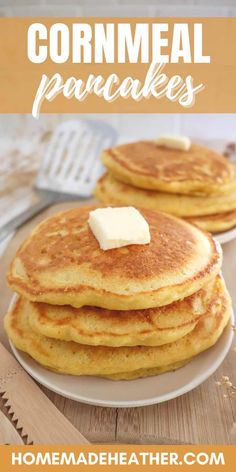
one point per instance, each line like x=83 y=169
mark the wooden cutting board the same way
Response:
x=202 y=416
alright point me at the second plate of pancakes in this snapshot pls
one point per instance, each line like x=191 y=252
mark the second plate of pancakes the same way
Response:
x=198 y=185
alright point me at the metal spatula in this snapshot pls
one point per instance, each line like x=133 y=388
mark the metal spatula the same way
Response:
x=70 y=167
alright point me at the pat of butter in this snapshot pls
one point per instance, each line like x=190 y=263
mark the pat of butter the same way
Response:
x=118 y=227
x=181 y=143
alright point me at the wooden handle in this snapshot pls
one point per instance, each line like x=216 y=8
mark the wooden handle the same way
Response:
x=8 y=434
x=36 y=414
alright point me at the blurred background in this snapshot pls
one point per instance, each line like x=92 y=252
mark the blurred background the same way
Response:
x=24 y=141
x=117 y=8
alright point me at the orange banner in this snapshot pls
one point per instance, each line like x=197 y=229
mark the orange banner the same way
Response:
x=113 y=65
x=117 y=457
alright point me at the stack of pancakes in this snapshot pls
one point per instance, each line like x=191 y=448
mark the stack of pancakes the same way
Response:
x=123 y=313
x=198 y=185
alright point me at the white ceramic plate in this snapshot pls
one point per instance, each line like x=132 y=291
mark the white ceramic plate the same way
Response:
x=132 y=393
x=226 y=236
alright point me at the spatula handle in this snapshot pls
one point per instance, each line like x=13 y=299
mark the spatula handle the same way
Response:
x=44 y=202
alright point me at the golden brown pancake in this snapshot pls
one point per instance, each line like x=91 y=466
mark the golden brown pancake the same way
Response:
x=111 y=191
x=142 y=373
x=78 y=359
x=98 y=326
x=215 y=223
x=61 y=263
x=148 y=165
